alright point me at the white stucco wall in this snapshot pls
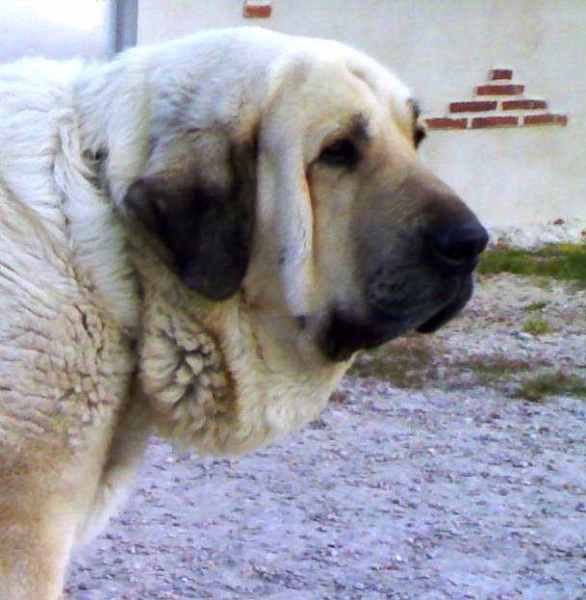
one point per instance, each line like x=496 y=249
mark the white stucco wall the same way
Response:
x=443 y=50
x=52 y=28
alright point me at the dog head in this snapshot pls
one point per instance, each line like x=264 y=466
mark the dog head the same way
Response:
x=286 y=170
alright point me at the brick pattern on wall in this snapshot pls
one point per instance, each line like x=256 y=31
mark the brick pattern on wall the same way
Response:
x=257 y=9
x=498 y=103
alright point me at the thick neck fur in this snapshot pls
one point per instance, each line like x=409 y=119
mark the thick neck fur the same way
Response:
x=220 y=376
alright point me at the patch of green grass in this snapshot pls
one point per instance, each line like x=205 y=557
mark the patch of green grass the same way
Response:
x=557 y=261
x=536 y=327
x=405 y=363
x=490 y=370
x=412 y=363
x=549 y=384
x=535 y=306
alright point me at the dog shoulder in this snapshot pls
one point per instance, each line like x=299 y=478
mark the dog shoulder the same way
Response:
x=63 y=364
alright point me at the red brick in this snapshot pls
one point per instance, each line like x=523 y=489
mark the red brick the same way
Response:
x=500 y=74
x=473 y=106
x=523 y=104
x=258 y=11
x=547 y=119
x=485 y=122
x=495 y=89
x=446 y=123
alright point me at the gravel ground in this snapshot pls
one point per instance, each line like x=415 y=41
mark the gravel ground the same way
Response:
x=426 y=478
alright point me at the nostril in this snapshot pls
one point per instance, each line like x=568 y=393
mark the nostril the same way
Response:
x=460 y=244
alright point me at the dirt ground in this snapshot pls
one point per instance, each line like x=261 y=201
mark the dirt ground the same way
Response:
x=448 y=467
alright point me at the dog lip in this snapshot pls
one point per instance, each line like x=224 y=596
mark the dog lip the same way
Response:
x=436 y=321
x=448 y=312
x=346 y=334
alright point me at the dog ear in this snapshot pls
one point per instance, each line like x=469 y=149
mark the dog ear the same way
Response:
x=286 y=233
x=197 y=198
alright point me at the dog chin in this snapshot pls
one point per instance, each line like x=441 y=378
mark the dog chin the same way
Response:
x=346 y=334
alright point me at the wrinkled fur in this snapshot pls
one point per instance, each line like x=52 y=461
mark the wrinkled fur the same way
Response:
x=100 y=340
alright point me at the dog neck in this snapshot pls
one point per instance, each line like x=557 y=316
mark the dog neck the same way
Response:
x=220 y=376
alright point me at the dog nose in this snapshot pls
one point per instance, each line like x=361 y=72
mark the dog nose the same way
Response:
x=458 y=245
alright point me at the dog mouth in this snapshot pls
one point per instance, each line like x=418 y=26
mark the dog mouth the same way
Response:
x=346 y=334
x=448 y=312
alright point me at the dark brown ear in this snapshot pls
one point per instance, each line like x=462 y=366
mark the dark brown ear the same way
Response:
x=204 y=219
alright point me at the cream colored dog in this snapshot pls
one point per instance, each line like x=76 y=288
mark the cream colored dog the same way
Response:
x=198 y=237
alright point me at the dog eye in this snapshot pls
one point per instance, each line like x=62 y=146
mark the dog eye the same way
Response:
x=341 y=153
x=419 y=135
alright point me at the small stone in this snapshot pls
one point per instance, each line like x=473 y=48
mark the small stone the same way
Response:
x=523 y=335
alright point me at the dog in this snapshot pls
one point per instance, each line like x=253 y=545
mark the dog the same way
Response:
x=196 y=238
